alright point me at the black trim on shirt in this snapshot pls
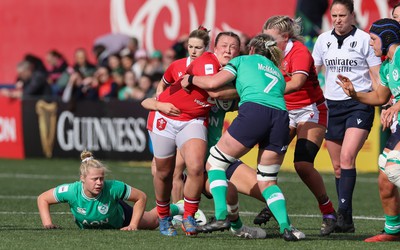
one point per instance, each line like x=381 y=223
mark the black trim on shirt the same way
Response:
x=340 y=38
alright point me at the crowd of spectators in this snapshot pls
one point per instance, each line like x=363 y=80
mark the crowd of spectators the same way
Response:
x=129 y=73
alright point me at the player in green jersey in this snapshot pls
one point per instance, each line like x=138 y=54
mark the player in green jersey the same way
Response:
x=97 y=203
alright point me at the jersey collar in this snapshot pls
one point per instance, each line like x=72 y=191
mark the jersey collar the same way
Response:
x=188 y=61
x=89 y=198
x=340 y=38
x=289 y=47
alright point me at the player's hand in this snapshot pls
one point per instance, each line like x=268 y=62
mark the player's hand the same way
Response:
x=346 y=85
x=185 y=83
x=168 y=108
x=51 y=226
x=387 y=117
x=130 y=228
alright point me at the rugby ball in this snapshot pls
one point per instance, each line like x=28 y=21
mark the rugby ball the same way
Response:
x=226 y=105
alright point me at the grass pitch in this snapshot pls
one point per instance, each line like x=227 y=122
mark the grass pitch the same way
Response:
x=20 y=226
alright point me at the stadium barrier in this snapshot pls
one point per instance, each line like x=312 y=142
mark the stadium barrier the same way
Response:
x=36 y=128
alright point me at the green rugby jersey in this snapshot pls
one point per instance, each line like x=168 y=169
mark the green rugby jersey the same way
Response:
x=216 y=118
x=103 y=211
x=390 y=75
x=258 y=80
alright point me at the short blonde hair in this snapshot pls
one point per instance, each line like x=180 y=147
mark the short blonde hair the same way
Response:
x=88 y=161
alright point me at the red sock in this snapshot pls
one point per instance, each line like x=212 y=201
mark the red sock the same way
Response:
x=162 y=208
x=326 y=208
x=191 y=206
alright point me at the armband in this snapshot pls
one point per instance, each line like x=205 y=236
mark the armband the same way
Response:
x=190 y=79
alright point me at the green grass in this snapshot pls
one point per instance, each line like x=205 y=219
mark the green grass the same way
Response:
x=20 y=226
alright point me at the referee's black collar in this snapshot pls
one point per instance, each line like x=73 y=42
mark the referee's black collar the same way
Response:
x=340 y=38
x=352 y=32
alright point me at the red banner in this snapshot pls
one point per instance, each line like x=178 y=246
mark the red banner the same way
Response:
x=11 y=136
x=37 y=26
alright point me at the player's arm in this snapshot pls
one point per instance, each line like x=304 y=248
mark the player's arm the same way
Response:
x=208 y=82
x=226 y=92
x=376 y=97
x=161 y=87
x=164 y=107
x=44 y=201
x=375 y=77
x=296 y=82
x=139 y=198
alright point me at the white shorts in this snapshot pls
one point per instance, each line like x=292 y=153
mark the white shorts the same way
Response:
x=168 y=134
x=311 y=113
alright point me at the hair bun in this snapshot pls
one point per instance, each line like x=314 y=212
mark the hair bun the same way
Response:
x=269 y=44
x=85 y=155
x=201 y=27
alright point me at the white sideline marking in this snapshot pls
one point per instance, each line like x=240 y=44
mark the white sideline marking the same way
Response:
x=243 y=213
x=294 y=179
x=18 y=197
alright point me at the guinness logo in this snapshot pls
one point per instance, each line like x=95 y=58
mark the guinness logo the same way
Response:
x=47 y=118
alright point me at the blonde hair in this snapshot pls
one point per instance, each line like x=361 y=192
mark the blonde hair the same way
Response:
x=287 y=25
x=265 y=45
x=88 y=161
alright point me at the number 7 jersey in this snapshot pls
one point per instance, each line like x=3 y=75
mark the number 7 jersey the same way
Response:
x=258 y=80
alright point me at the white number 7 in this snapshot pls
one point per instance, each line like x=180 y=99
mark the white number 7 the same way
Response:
x=274 y=80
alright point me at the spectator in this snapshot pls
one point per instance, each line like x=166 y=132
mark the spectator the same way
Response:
x=126 y=60
x=141 y=62
x=154 y=66
x=31 y=82
x=58 y=65
x=107 y=88
x=114 y=63
x=146 y=87
x=131 y=90
x=168 y=57
x=101 y=54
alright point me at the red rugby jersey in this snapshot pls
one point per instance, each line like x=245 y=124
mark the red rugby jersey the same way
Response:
x=300 y=61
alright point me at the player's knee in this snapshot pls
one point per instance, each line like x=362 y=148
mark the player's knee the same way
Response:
x=219 y=160
x=305 y=151
x=268 y=172
x=392 y=170
x=382 y=161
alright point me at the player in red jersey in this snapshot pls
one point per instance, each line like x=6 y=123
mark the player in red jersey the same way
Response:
x=308 y=112
x=198 y=43
x=188 y=132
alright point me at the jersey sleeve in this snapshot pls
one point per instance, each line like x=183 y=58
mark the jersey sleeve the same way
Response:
x=233 y=65
x=317 y=53
x=168 y=77
x=301 y=61
x=384 y=74
x=119 y=190
x=65 y=192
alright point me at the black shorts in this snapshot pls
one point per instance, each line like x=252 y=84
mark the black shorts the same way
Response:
x=258 y=124
x=393 y=139
x=128 y=211
x=348 y=114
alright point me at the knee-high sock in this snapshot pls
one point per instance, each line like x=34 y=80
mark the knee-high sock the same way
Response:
x=346 y=188
x=392 y=224
x=277 y=204
x=218 y=187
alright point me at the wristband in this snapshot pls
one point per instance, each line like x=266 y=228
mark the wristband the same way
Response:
x=190 y=79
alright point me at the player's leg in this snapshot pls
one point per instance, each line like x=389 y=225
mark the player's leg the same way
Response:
x=164 y=155
x=192 y=143
x=309 y=139
x=177 y=183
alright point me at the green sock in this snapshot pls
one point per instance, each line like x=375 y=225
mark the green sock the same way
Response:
x=174 y=209
x=277 y=204
x=392 y=224
x=237 y=224
x=218 y=187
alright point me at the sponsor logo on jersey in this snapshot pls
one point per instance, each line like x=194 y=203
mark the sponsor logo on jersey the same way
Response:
x=63 y=189
x=359 y=121
x=103 y=209
x=81 y=210
x=284 y=148
x=180 y=74
x=209 y=69
x=340 y=65
x=395 y=74
x=161 y=124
